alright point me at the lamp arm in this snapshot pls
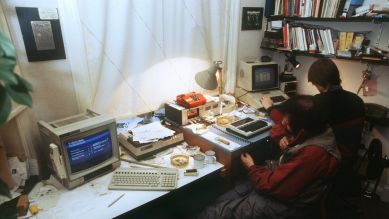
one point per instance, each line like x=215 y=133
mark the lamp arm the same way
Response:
x=220 y=90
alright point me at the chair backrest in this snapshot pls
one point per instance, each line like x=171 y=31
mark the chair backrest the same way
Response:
x=374 y=155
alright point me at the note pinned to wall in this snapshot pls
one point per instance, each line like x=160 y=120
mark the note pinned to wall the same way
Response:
x=48 y=13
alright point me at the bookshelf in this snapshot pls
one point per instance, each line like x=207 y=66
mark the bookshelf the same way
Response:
x=300 y=36
x=340 y=19
x=284 y=41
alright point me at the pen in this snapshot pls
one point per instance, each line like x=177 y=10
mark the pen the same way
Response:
x=222 y=141
x=117 y=199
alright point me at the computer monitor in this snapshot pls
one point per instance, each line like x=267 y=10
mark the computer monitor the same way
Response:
x=258 y=76
x=81 y=147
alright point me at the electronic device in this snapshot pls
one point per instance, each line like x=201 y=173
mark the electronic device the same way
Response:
x=191 y=172
x=81 y=147
x=183 y=116
x=143 y=150
x=191 y=99
x=258 y=79
x=265 y=59
x=159 y=179
x=248 y=127
x=258 y=76
x=289 y=87
x=253 y=98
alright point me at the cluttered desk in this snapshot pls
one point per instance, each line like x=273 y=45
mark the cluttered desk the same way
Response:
x=99 y=200
x=193 y=137
x=88 y=168
x=155 y=159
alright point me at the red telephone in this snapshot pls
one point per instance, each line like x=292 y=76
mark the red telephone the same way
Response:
x=191 y=99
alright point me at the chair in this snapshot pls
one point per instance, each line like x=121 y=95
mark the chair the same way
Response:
x=374 y=168
x=347 y=190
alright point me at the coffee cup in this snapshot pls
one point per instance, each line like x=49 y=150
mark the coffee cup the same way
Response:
x=198 y=161
x=210 y=157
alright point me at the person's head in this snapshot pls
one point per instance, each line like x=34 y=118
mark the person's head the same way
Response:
x=302 y=114
x=324 y=74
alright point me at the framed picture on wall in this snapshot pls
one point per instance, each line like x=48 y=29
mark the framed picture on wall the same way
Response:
x=252 y=18
x=42 y=36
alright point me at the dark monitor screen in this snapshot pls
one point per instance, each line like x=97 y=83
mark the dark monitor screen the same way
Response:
x=265 y=77
x=88 y=151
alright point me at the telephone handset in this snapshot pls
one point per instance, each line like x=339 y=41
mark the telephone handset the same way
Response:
x=191 y=99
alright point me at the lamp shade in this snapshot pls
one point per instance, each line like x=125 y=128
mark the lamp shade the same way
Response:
x=294 y=62
x=207 y=79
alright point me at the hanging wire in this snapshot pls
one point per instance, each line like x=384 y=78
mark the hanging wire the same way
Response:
x=366 y=75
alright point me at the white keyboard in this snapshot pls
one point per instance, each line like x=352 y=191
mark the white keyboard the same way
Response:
x=159 y=179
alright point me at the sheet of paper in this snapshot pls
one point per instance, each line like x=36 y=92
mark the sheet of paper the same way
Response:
x=126 y=125
x=151 y=132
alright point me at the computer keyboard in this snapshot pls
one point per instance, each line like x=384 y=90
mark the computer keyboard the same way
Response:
x=277 y=99
x=159 y=179
x=252 y=127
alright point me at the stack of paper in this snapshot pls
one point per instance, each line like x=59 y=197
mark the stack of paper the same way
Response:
x=151 y=132
x=127 y=125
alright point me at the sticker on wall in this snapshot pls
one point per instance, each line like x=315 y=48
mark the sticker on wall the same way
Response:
x=48 y=13
x=41 y=32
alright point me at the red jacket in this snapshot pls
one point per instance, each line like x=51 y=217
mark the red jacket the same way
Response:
x=288 y=179
x=303 y=167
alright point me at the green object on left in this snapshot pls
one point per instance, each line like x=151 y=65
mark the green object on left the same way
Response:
x=12 y=86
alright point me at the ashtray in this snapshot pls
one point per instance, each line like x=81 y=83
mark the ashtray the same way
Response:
x=179 y=160
x=224 y=120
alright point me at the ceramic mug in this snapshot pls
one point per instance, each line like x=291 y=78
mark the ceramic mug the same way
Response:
x=198 y=161
x=210 y=157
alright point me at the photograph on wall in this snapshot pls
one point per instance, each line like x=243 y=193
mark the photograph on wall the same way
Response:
x=252 y=18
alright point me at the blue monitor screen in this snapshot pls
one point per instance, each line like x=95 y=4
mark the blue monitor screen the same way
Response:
x=89 y=151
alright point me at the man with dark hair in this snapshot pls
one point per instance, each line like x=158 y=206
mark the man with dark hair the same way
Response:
x=345 y=113
x=343 y=110
x=299 y=179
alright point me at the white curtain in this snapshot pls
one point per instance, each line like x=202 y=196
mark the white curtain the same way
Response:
x=130 y=56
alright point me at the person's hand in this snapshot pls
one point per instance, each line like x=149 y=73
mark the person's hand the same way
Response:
x=247 y=160
x=266 y=102
x=284 y=142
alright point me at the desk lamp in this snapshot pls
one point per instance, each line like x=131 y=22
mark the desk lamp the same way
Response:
x=290 y=58
x=207 y=79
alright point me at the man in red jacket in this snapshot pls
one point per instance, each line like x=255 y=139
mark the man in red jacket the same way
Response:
x=301 y=176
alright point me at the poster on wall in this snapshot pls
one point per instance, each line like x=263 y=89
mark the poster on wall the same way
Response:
x=41 y=32
x=252 y=18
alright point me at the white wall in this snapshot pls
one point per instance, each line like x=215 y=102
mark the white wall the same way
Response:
x=250 y=40
x=53 y=95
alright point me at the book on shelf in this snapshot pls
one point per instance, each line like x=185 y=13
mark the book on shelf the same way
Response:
x=349 y=40
x=357 y=42
x=308 y=38
x=308 y=8
x=342 y=41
